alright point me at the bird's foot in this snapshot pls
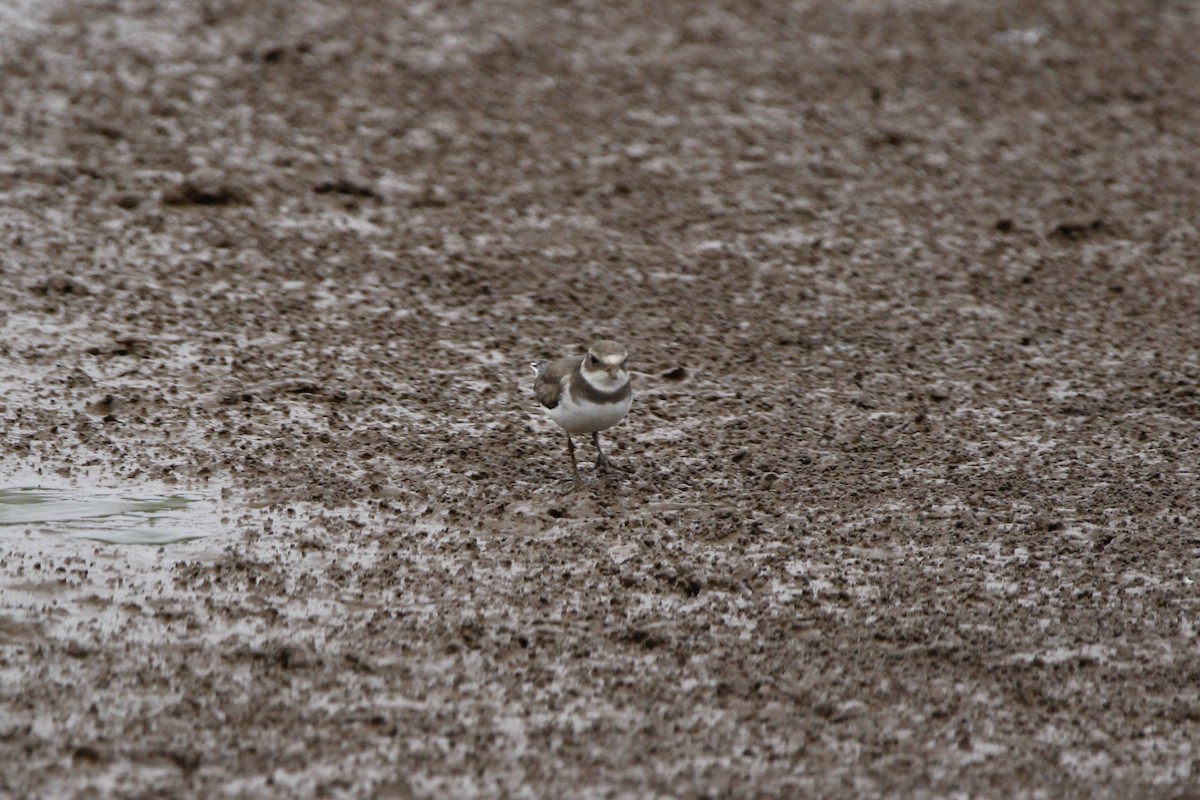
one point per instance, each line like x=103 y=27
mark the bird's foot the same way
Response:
x=604 y=464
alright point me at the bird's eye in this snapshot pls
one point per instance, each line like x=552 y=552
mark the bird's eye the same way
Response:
x=624 y=361
x=593 y=360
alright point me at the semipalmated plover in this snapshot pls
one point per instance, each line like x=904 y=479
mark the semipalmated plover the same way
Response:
x=586 y=394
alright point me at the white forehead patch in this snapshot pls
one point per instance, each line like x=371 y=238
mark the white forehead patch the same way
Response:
x=613 y=359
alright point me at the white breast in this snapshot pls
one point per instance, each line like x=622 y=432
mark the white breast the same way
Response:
x=581 y=416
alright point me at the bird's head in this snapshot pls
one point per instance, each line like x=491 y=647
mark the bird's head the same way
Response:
x=605 y=362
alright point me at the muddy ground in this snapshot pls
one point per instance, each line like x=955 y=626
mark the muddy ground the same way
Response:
x=909 y=503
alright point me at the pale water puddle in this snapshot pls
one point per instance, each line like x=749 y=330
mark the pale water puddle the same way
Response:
x=108 y=515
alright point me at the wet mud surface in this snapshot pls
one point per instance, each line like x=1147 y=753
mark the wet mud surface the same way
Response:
x=909 y=502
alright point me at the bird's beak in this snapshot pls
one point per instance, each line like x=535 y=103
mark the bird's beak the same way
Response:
x=612 y=372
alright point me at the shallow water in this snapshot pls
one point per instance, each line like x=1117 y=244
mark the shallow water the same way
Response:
x=108 y=515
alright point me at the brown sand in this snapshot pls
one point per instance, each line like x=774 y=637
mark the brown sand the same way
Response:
x=910 y=504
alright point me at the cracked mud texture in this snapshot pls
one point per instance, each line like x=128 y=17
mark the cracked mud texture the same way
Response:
x=910 y=500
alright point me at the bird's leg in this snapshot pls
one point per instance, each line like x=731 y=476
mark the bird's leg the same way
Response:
x=602 y=462
x=574 y=466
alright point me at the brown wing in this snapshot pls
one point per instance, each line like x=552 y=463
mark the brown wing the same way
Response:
x=549 y=384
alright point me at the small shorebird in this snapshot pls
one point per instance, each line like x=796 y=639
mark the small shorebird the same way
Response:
x=586 y=394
